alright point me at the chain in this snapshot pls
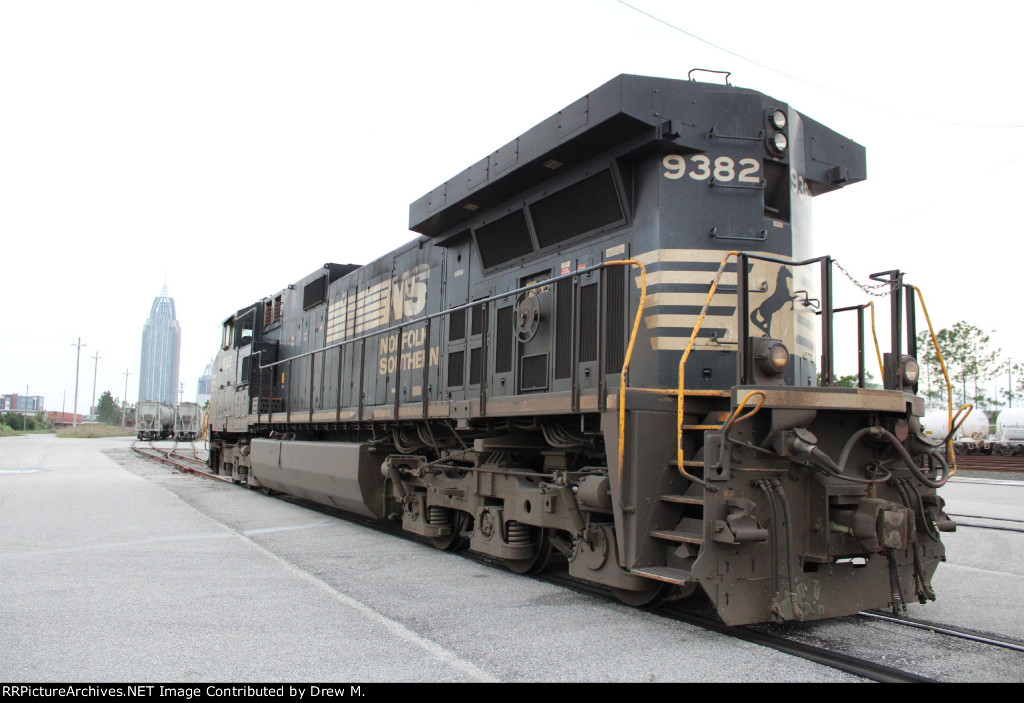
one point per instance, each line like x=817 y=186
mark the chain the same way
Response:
x=870 y=290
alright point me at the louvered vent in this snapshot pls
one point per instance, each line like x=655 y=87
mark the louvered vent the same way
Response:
x=504 y=239
x=504 y=343
x=535 y=372
x=588 y=205
x=616 y=279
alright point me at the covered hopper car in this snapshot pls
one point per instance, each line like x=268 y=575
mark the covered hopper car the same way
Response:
x=610 y=340
x=154 y=420
x=188 y=422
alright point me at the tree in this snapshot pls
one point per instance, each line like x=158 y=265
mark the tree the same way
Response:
x=107 y=410
x=851 y=380
x=969 y=360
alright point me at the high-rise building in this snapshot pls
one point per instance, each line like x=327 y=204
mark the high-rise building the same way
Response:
x=205 y=382
x=161 y=349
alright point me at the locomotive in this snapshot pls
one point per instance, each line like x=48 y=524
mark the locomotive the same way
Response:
x=609 y=341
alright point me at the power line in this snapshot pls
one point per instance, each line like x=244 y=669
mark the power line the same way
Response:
x=807 y=82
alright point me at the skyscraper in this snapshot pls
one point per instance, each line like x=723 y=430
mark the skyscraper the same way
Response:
x=161 y=349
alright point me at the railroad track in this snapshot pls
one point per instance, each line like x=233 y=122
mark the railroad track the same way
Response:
x=688 y=612
x=948 y=630
x=994 y=462
x=173 y=457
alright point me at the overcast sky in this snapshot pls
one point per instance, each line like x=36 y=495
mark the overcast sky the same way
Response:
x=233 y=147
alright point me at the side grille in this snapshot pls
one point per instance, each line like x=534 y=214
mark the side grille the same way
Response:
x=616 y=279
x=535 y=372
x=588 y=323
x=456 y=368
x=563 y=329
x=475 y=357
x=580 y=208
x=504 y=240
x=457 y=326
x=477 y=326
x=504 y=343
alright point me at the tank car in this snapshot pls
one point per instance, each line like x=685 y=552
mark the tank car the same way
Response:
x=606 y=343
x=187 y=422
x=971 y=437
x=154 y=420
x=1009 y=437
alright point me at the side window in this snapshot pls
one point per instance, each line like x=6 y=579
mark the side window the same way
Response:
x=229 y=333
x=244 y=328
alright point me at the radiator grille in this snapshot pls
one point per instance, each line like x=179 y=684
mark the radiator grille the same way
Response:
x=580 y=208
x=504 y=239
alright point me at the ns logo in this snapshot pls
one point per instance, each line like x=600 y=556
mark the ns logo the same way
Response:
x=409 y=292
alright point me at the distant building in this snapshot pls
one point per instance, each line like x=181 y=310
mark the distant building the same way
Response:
x=21 y=403
x=62 y=419
x=205 y=383
x=161 y=350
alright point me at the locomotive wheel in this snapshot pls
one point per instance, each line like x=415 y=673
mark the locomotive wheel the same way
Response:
x=454 y=541
x=540 y=559
x=649 y=597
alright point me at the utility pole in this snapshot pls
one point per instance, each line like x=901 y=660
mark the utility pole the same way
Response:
x=124 y=401
x=95 y=368
x=78 y=360
x=24 y=418
x=181 y=392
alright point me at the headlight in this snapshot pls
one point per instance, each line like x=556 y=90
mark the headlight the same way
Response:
x=778 y=142
x=910 y=370
x=771 y=356
x=779 y=119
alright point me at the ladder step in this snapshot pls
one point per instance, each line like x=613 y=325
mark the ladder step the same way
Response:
x=673 y=536
x=664 y=573
x=699 y=427
x=685 y=500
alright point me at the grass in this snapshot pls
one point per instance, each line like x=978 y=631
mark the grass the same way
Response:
x=93 y=431
x=8 y=431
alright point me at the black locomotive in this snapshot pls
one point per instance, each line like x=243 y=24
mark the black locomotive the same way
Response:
x=546 y=368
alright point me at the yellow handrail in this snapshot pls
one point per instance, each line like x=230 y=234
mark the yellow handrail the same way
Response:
x=878 y=350
x=629 y=352
x=945 y=374
x=682 y=373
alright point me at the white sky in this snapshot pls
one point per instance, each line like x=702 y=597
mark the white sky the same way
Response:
x=234 y=147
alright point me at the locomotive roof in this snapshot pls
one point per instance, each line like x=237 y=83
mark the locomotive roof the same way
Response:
x=620 y=110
